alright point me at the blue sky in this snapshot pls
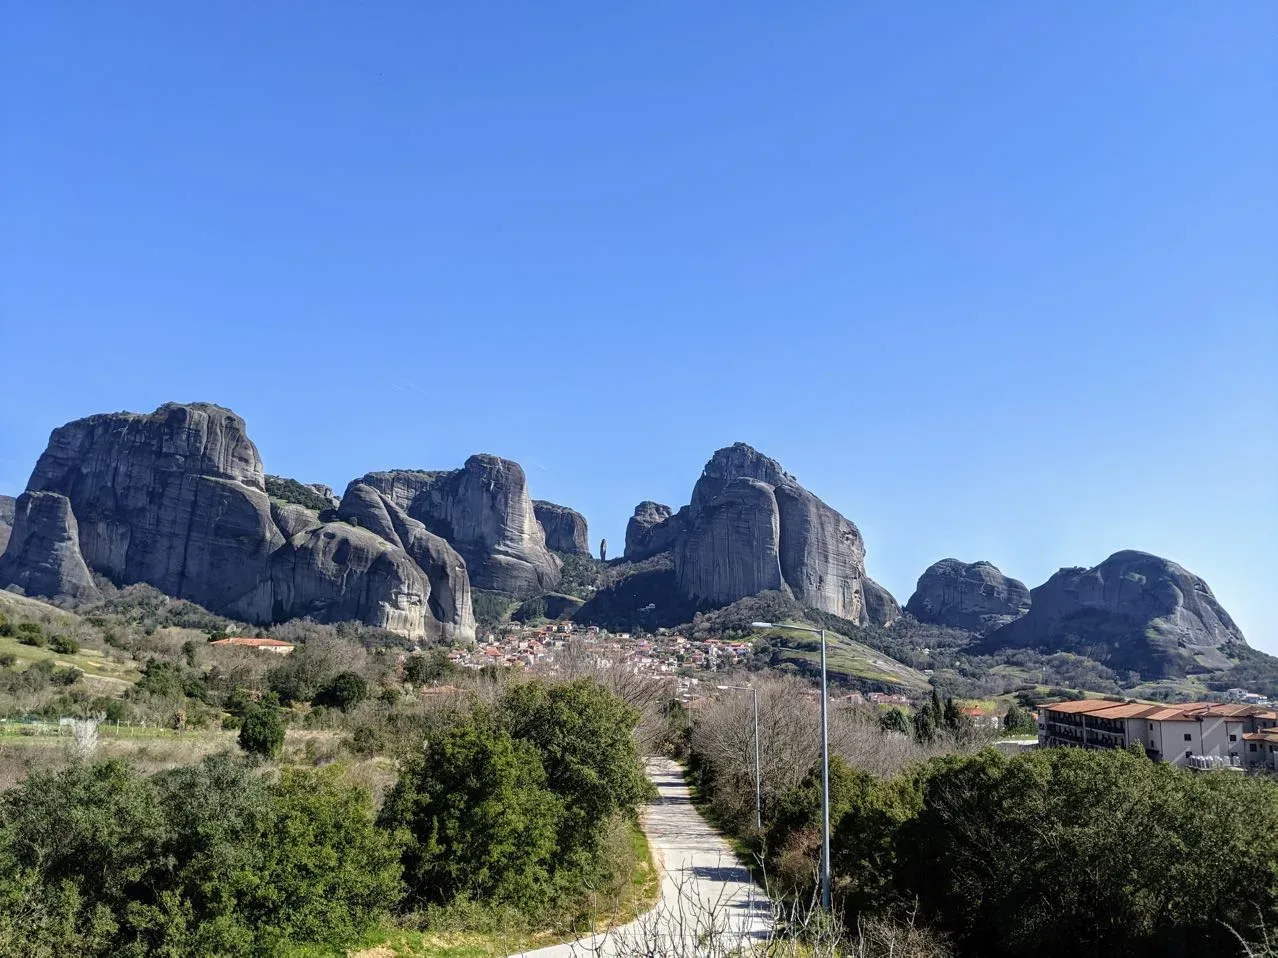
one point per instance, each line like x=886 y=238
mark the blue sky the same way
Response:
x=997 y=281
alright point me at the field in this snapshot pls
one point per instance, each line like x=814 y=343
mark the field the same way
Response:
x=846 y=659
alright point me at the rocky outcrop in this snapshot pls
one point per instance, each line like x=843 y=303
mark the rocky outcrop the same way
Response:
x=733 y=547
x=326 y=492
x=819 y=554
x=564 y=529
x=177 y=499
x=974 y=596
x=653 y=529
x=7 y=504
x=1134 y=611
x=751 y=527
x=448 y=596
x=880 y=606
x=483 y=511
x=43 y=556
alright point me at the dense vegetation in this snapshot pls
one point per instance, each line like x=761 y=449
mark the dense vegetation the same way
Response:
x=1054 y=852
x=213 y=859
x=526 y=804
x=290 y=490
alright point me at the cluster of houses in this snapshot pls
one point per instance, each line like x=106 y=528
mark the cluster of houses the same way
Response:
x=548 y=647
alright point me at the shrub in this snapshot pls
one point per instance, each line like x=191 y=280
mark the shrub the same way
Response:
x=290 y=490
x=262 y=732
x=64 y=645
x=345 y=691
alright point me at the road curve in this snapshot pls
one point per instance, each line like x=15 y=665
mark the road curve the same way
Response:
x=708 y=902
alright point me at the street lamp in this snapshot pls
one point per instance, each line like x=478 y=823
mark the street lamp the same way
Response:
x=825 y=762
x=758 y=768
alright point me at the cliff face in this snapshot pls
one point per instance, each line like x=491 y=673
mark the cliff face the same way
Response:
x=1133 y=611
x=751 y=527
x=484 y=512
x=653 y=529
x=7 y=506
x=564 y=529
x=177 y=499
x=975 y=596
x=45 y=556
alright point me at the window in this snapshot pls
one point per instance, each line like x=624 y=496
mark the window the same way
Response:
x=1189 y=736
x=1233 y=738
x=1189 y=753
x=1151 y=726
x=1251 y=747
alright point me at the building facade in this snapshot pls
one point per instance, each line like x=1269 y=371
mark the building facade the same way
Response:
x=1196 y=735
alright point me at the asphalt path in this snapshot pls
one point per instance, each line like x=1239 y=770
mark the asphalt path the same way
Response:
x=709 y=905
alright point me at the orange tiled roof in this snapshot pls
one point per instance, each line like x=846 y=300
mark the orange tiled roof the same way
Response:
x=1188 y=712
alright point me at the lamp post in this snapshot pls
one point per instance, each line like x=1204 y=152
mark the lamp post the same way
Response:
x=825 y=762
x=758 y=768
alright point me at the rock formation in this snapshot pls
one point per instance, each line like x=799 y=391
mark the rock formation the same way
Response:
x=44 y=558
x=484 y=512
x=177 y=499
x=734 y=547
x=7 y=504
x=974 y=596
x=1134 y=611
x=751 y=527
x=881 y=608
x=564 y=528
x=653 y=529
x=820 y=557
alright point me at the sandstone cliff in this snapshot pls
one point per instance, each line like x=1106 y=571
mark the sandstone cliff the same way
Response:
x=564 y=529
x=484 y=512
x=881 y=608
x=653 y=529
x=45 y=557
x=7 y=505
x=750 y=527
x=975 y=596
x=1134 y=611
x=177 y=499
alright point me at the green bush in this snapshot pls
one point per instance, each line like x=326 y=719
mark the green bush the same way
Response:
x=1135 y=857
x=345 y=691
x=290 y=490
x=262 y=732
x=64 y=645
x=201 y=860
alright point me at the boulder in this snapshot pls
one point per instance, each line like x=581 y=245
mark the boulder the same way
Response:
x=974 y=596
x=564 y=528
x=327 y=492
x=7 y=504
x=484 y=512
x=1134 y=611
x=43 y=555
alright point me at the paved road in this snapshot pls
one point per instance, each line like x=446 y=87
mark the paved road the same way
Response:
x=708 y=906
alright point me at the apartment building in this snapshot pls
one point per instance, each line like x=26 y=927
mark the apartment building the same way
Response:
x=1196 y=735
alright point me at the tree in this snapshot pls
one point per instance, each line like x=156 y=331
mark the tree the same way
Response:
x=894 y=720
x=585 y=738
x=64 y=645
x=951 y=717
x=428 y=667
x=480 y=819
x=1018 y=719
x=924 y=726
x=262 y=732
x=344 y=691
